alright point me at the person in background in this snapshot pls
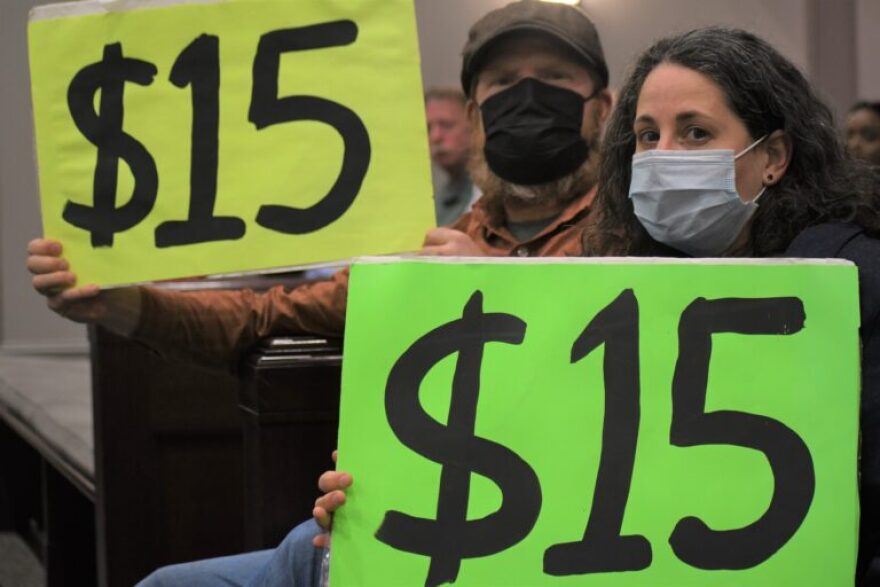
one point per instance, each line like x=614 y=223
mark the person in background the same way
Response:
x=449 y=136
x=863 y=132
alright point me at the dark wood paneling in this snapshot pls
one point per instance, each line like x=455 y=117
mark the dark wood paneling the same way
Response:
x=69 y=555
x=172 y=481
x=290 y=405
x=21 y=508
x=168 y=461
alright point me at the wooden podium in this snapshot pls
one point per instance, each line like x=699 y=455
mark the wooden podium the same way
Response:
x=193 y=464
x=188 y=463
x=290 y=411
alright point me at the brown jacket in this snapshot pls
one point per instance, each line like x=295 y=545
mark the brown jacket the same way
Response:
x=214 y=327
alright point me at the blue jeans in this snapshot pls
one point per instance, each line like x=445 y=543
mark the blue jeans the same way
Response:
x=296 y=562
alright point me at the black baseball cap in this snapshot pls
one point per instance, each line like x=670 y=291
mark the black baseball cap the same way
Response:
x=567 y=24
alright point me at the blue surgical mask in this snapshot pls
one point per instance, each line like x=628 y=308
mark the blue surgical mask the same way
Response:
x=688 y=199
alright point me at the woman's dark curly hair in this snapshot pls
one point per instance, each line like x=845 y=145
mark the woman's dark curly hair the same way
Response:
x=768 y=93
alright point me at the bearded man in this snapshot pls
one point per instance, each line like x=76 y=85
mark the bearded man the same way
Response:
x=536 y=81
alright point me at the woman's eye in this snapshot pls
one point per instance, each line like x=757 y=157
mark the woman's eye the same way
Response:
x=648 y=136
x=695 y=133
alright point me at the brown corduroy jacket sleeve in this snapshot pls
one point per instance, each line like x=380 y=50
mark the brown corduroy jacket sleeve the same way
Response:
x=214 y=328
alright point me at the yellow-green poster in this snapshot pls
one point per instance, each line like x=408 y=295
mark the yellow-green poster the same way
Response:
x=599 y=423
x=194 y=137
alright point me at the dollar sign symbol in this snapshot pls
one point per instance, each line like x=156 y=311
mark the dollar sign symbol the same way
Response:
x=452 y=536
x=104 y=130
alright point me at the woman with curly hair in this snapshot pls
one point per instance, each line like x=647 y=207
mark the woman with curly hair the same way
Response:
x=720 y=147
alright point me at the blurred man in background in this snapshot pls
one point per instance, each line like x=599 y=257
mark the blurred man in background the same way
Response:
x=449 y=134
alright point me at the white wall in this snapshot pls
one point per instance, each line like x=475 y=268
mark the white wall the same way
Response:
x=625 y=26
x=868 y=47
x=629 y=26
x=443 y=27
x=25 y=323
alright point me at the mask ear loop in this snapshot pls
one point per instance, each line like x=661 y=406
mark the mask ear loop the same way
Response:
x=595 y=93
x=743 y=152
x=761 y=193
x=749 y=148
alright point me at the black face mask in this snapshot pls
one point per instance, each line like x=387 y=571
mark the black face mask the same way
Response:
x=533 y=132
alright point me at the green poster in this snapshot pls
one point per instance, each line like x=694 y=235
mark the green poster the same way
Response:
x=181 y=138
x=600 y=423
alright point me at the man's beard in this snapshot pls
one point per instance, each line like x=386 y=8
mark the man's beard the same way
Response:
x=559 y=191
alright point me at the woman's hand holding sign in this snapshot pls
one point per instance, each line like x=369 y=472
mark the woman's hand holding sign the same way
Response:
x=115 y=309
x=333 y=484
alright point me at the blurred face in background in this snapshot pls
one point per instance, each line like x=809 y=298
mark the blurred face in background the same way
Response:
x=449 y=134
x=863 y=135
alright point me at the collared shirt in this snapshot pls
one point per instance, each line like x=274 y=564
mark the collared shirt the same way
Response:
x=453 y=198
x=214 y=327
x=561 y=238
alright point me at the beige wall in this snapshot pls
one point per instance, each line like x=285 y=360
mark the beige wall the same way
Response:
x=25 y=323
x=815 y=34
x=868 y=46
x=626 y=27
